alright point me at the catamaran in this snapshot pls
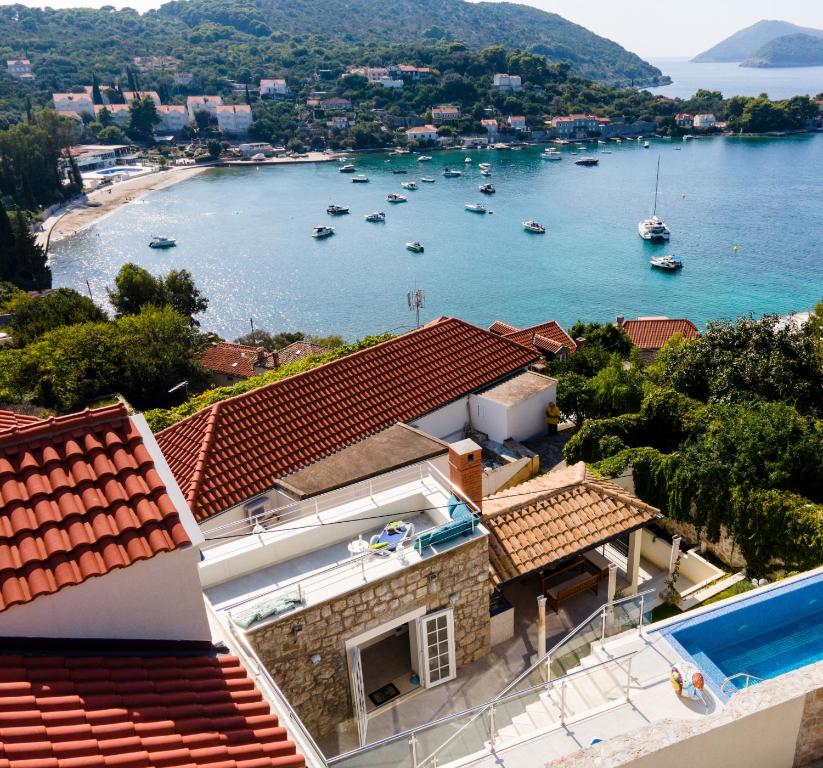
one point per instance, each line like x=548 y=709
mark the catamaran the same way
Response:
x=654 y=228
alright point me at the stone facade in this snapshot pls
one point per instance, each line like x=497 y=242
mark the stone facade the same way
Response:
x=724 y=548
x=809 y=752
x=320 y=693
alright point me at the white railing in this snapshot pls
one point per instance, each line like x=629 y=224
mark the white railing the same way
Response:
x=745 y=675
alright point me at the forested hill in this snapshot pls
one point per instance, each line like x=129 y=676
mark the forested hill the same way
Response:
x=789 y=51
x=357 y=22
x=747 y=43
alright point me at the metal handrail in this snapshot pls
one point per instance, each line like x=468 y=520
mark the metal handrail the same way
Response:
x=735 y=676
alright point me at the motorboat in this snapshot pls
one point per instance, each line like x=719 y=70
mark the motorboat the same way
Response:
x=321 y=231
x=654 y=228
x=408 y=184
x=487 y=189
x=347 y=168
x=258 y=158
x=667 y=263
x=551 y=154
x=427 y=179
x=377 y=216
x=424 y=159
x=399 y=171
x=468 y=160
x=587 y=161
x=485 y=172
x=501 y=145
x=337 y=210
x=393 y=197
x=534 y=226
x=476 y=207
x=646 y=145
x=450 y=174
x=484 y=166
x=600 y=141
x=360 y=179
x=415 y=246
x=162 y=242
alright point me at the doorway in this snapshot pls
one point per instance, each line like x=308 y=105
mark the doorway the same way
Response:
x=388 y=671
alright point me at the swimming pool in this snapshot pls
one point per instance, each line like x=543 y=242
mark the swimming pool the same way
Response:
x=120 y=169
x=767 y=634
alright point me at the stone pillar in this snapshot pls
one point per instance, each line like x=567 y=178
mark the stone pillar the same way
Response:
x=612 y=583
x=541 y=632
x=633 y=562
x=466 y=469
x=675 y=553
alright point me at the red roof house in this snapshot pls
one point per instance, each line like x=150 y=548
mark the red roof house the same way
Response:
x=649 y=334
x=299 y=350
x=228 y=362
x=10 y=419
x=548 y=339
x=237 y=448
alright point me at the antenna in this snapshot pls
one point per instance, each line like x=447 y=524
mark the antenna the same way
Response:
x=416 y=300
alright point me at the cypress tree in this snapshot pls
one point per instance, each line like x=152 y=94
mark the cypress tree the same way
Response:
x=8 y=261
x=33 y=273
x=96 y=96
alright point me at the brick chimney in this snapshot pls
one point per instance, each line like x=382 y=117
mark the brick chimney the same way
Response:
x=466 y=469
x=620 y=320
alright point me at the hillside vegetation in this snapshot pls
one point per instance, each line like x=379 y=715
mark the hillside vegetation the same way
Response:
x=799 y=50
x=746 y=43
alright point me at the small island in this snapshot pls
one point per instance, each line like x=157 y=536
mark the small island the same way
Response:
x=800 y=50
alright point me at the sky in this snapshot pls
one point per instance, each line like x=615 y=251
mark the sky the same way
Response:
x=650 y=28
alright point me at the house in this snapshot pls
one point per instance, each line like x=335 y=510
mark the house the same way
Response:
x=249 y=150
x=273 y=87
x=409 y=72
x=130 y=96
x=97 y=667
x=490 y=126
x=234 y=119
x=649 y=334
x=208 y=104
x=505 y=82
x=577 y=126
x=704 y=121
x=77 y=118
x=339 y=122
x=79 y=103
x=426 y=133
x=517 y=122
x=173 y=118
x=377 y=75
x=299 y=350
x=445 y=113
x=19 y=69
x=549 y=339
x=684 y=120
x=228 y=363
x=329 y=103
x=183 y=78
x=120 y=113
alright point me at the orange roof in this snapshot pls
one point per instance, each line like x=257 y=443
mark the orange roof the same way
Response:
x=9 y=419
x=236 y=448
x=546 y=337
x=653 y=332
x=79 y=497
x=299 y=350
x=233 y=108
x=93 y=711
x=235 y=359
x=555 y=516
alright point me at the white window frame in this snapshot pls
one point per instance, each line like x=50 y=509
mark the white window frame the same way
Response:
x=423 y=629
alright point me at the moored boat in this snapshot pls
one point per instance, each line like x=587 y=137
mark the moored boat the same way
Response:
x=587 y=161
x=487 y=189
x=485 y=172
x=468 y=160
x=393 y=197
x=415 y=246
x=360 y=179
x=162 y=242
x=476 y=207
x=654 y=228
x=321 y=231
x=551 y=154
x=347 y=168
x=397 y=171
x=534 y=226
x=451 y=174
x=666 y=263
x=424 y=159
x=337 y=210
x=427 y=179
x=377 y=216
x=408 y=184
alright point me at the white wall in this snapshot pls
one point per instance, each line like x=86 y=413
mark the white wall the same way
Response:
x=519 y=421
x=446 y=423
x=155 y=599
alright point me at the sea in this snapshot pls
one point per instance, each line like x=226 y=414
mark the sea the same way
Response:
x=745 y=214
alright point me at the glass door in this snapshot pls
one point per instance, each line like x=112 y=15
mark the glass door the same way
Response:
x=358 y=694
x=437 y=646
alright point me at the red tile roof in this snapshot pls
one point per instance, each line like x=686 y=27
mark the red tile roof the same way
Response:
x=237 y=448
x=299 y=350
x=9 y=419
x=235 y=359
x=501 y=328
x=132 y=712
x=653 y=332
x=79 y=497
x=546 y=337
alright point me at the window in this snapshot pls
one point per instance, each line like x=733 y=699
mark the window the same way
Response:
x=437 y=636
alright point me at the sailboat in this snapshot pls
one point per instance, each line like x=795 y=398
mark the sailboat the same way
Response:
x=654 y=228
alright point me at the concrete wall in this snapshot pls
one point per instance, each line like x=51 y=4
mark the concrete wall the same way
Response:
x=320 y=693
x=519 y=421
x=155 y=599
x=692 y=567
x=447 y=423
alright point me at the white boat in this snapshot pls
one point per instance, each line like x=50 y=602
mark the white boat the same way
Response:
x=337 y=210
x=360 y=179
x=467 y=160
x=534 y=226
x=377 y=216
x=424 y=159
x=408 y=184
x=162 y=242
x=347 y=168
x=427 y=179
x=667 y=263
x=654 y=228
x=321 y=231
x=646 y=145
x=258 y=158
x=476 y=207
x=393 y=197
x=487 y=189
x=484 y=166
x=450 y=174
x=415 y=246
x=600 y=141
x=551 y=154
x=485 y=172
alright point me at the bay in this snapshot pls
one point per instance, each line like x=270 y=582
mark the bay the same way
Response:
x=746 y=218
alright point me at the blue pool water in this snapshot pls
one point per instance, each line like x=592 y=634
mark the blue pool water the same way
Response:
x=765 y=635
x=120 y=169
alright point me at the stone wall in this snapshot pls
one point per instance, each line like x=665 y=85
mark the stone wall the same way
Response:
x=810 y=737
x=320 y=693
x=724 y=548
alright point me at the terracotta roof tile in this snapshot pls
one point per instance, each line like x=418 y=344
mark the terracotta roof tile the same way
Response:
x=548 y=337
x=299 y=350
x=555 y=516
x=653 y=332
x=501 y=328
x=236 y=448
x=170 y=712
x=9 y=419
x=235 y=359
x=79 y=497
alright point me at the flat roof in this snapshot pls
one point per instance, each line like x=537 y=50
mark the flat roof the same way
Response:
x=393 y=448
x=519 y=388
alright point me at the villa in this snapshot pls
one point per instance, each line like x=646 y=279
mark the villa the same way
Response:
x=228 y=363
x=233 y=119
x=19 y=69
x=173 y=118
x=94 y=157
x=575 y=126
x=505 y=82
x=517 y=122
x=704 y=121
x=445 y=114
x=208 y=104
x=130 y=96
x=423 y=133
x=684 y=120
x=549 y=339
x=409 y=72
x=79 y=103
x=273 y=87
x=649 y=334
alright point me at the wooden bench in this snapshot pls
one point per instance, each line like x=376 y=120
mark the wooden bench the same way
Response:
x=564 y=591
x=598 y=562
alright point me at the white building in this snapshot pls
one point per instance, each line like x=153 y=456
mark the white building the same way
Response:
x=422 y=133
x=130 y=96
x=273 y=87
x=234 y=118
x=183 y=78
x=445 y=113
x=505 y=82
x=94 y=157
x=120 y=113
x=19 y=69
x=704 y=121
x=173 y=118
x=208 y=104
x=255 y=148
x=377 y=76
x=79 y=103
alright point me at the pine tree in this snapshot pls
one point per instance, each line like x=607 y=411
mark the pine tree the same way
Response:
x=33 y=273
x=8 y=261
x=96 y=96
x=248 y=95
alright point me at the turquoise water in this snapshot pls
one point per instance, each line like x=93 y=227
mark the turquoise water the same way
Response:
x=734 y=80
x=245 y=235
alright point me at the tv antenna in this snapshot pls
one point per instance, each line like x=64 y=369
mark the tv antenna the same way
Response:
x=416 y=300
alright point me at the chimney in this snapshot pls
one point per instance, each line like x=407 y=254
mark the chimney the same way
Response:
x=620 y=321
x=580 y=341
x=466 y=470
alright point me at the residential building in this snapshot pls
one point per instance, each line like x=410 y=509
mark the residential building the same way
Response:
x=445 y=113
x=649 y=334
x=78 y=119
x=684 y=120
x=505 y=82
x=517 y=122
x=409 y=72
x=253 y=148
x=576 y=126
x=183 y=78
x=273 y=87
x=79 y=103
x=377 y=76
x=173 y=118
x=422 y=133
x=208 y=104
x=228 y=363
x=130 y=96
x=704 y=121
x=93 y=157
x=299 y=350
x=339 y=122
x=234 y=119
x=19 y=69
x=490 y=126
x=120 y=113
x=329 y=103
x=549 y=339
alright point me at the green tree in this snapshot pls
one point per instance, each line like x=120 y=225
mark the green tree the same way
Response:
x=104 y=117
x=96 y=96
x=32 y=272
x=33 y=318
x=182 y=294
x=143 y=116
x=136 y=288
x=112 y=134
x=215 y=148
